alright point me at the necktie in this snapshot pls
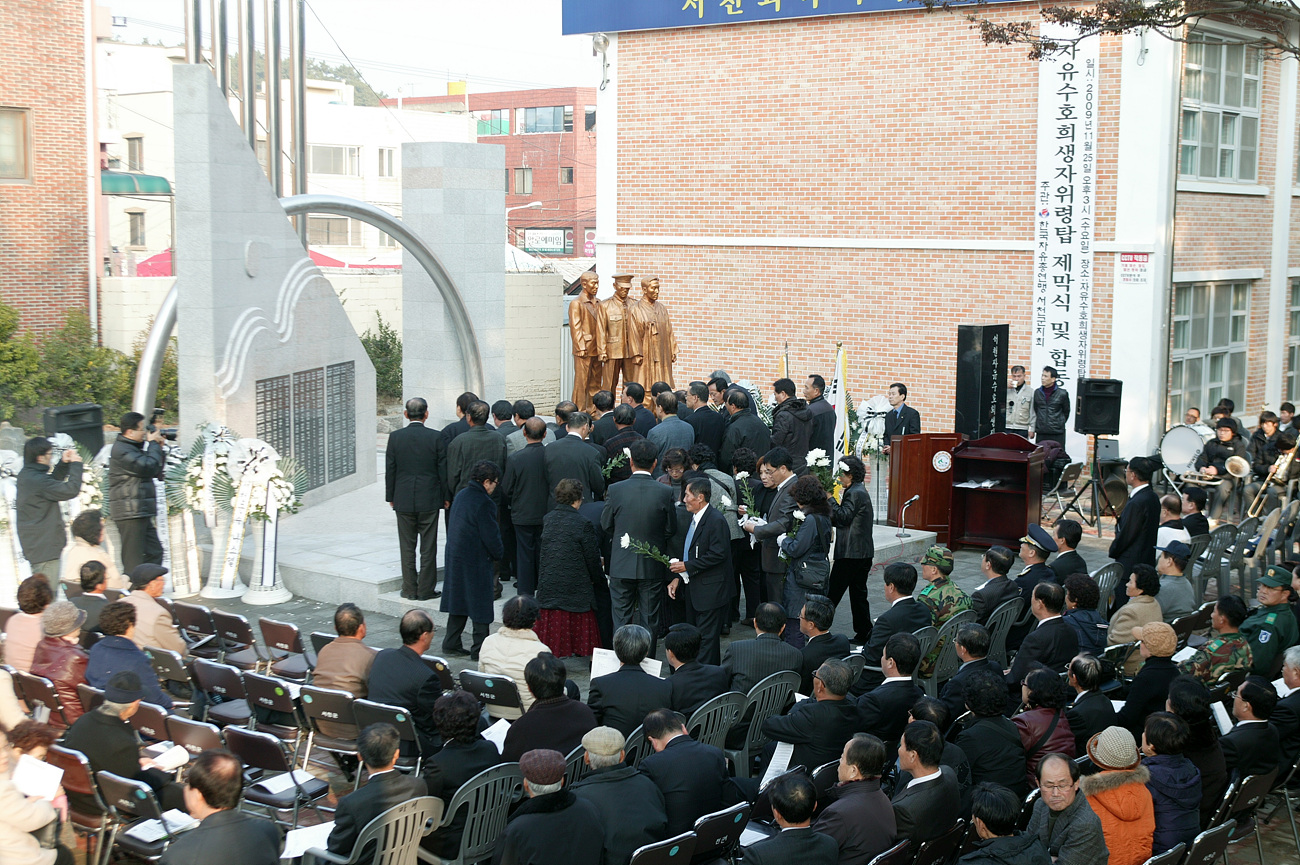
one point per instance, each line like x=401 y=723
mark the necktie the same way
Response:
x=690 y=533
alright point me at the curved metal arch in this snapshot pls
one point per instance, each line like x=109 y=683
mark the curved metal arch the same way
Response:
x=151 y=358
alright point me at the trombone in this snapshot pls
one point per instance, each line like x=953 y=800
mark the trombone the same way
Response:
x=1279 y=470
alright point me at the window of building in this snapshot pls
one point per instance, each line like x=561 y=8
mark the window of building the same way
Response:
x=1220 y=130
x=15 y=146
x=494 y=122
x=386 y=242
x=566 y=175
x=1208 y=360
x=523 y=181
x=135 y=153
x=1291 y=386
x=333 y=159
x=386 y=162
x=507 y=181
x=333 y=231
x=590 y=111
x=554 y=119
x=135 y=227
x=263 y=153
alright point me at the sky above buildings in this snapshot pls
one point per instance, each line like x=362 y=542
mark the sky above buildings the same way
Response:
x=413 y=46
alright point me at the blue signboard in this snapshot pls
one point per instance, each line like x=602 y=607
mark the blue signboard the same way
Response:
x=613 y=16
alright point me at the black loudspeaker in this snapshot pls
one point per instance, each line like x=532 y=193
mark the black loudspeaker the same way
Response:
x=1097 y=406
x=981 y=402
x=84 y=422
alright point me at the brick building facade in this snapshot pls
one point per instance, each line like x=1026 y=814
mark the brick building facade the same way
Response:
x=870 y=179
x=46 y=168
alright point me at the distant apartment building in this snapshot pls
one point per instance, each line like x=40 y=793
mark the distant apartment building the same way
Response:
x=550 y=141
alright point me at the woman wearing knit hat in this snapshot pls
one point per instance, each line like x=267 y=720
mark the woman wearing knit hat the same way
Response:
x=1119 y=796
x=1150 y=688
x=60 y=658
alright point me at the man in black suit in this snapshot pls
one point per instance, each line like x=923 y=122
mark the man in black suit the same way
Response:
x=691 y=775
x=905 y=615
x=709 y=425
x=399 y=678
x=931 y=802
x=1139 y=522
x=527 y=491
x=972 y=643
x=621 y=440
x=693 y=684
x=1092 y=711
x=815 y=621
x=454 y=429
x=778 y=475
x=377 y=746
x=603 y=424
x=415 y=480
x=564 y=410
x=902 y=420
x=749 y=662
x=1052 y=642
x=998 y=588
x=574 y=457
x=639 y=508
x=793 y=798
x=818 y=727
x=1252 y=746
x=705 y=572
x=1068 y=561
x=479 y=442
x=823 y=414
x=94 y=581
x=634 y=396
x=623 y=698
x=503 y=411
x=882 y=711
x=1286 y=714
x=743 y=430
x=214 y=783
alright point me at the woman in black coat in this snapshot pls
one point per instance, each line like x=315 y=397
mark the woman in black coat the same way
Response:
x=569 y=575
x=473 y=544
x=1190 y=700
x=809 y=539
x=854 y=547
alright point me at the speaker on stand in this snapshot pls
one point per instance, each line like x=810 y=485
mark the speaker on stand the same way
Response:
x=1096 y=412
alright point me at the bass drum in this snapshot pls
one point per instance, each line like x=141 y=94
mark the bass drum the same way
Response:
x=1182 y=445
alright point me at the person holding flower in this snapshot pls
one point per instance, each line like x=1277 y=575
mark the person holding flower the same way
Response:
x=854 y=546
x=805 y=548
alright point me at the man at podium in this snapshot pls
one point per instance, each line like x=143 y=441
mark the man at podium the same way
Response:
x=902 y=419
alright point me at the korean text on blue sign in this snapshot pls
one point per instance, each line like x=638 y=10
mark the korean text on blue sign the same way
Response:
x=613 y=16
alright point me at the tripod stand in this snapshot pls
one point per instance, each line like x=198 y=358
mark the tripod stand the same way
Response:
x=1095 y=485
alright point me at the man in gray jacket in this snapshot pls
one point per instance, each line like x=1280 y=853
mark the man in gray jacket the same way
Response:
x=40 y=522
x=1062 y=819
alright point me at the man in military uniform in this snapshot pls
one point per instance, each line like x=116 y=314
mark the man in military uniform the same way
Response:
x=1230 y=650
x=1035 y=547
x=624 y=350
x=942 y=596
x=1272 y=628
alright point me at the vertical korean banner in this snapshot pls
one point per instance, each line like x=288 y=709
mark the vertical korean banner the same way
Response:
x=1065 y=205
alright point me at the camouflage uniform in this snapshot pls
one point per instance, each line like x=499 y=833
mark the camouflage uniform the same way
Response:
x=1225 y=652
x=1271 y=631
x=945 y=600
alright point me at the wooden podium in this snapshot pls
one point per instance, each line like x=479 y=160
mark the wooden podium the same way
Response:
x=998 y=514
x=921 y=465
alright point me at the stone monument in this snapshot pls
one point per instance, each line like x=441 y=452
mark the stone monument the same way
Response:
x=265 y=347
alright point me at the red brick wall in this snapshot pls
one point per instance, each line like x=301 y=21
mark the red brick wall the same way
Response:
x=43 y=232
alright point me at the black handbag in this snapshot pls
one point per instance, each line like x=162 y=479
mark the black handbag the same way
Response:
x=48 y=835
x=812 y=573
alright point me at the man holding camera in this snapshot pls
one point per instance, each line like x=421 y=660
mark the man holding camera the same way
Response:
x=136 y=460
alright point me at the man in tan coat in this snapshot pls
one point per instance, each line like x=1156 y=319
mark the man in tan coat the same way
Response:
x=153 y=623
x=344 y=663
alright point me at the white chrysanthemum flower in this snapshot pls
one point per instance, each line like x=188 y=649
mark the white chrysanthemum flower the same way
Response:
x=726 y=501
x=627 y=452
x=843 y=469
x=815 y=454
x=740 y=476
x=799 y=515
x=625 y=541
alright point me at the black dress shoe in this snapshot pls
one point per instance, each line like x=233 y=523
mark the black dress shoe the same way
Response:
x=407 y=597
x=455 y=653
x=432 y=597
x=726 y=630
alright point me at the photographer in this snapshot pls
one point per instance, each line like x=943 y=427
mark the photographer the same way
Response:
x=39 y=491
x=136 y=460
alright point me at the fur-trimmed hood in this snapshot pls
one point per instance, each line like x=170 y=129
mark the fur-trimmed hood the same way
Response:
x=1119 y=792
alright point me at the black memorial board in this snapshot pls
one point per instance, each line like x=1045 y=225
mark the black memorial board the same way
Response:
x=981 y=399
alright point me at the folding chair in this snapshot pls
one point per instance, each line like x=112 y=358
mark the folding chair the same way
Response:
x=1211 y=564
x=77 y=778
x=1107 y=577
x=1118 y=656
x=857 y=663
x=319 y=640
x=289 y=660
x=368 y=712
x=1169 y=857
x=273 y=695
x=131 y=802
x=767 y=698
x=1063 y=487
x=717 y=835
x=170 y=667
x=150 y=721
x=266 y=753
x=194 y=736
x=333 y=707
x=5 y=613
x=637 y=747
x=393 y=837
x=1027 y=808
x=1252 y=566
x=946 y=663
x=225 y=682
x=491 y=690
x=825 y=777
x=91 y=698
x=39 y=691
x=937 y=851
x=677 y=849
x=928 y=637
x=1245 y=796
x=1237 y=555
x=442 y=670
x=1198 y=545
x=575 y=767
x=709 y=723
x=762 y=811
x=899 y=854
x=1210 y=845
x=238 y=642
x=1292 y=775
x=486 y=798
x=195 y=622
x=999 y=625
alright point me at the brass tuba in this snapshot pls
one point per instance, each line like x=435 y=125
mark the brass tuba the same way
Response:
x=1238 y=467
